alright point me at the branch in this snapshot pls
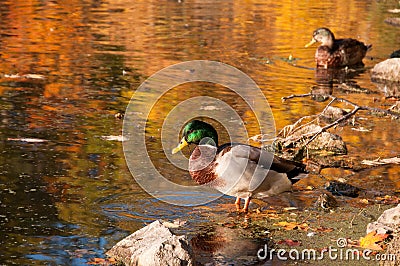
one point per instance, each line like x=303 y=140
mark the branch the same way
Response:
x=345 y=117
x=336 y=122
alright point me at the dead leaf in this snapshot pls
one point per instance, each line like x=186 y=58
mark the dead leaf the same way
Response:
x=365 y=201
x=387 y=199
x=290 y=242
x=230 y=225
x=292 y=225
x=324 y=229
x=100 y=261
x=373 y=241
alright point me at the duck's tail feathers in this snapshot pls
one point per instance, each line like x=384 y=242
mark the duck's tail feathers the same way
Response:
x=369 y=47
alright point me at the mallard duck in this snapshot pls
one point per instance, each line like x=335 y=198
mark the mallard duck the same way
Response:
x=237 y=170
x=336 y=53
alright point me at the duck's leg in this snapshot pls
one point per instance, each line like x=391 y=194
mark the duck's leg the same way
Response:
x=237 y=203
x=246 y=204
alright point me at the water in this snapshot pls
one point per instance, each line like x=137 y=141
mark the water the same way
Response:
x=67 y=194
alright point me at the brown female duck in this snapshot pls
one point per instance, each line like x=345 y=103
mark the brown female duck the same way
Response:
x=336 y=53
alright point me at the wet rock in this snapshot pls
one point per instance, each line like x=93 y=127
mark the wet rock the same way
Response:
x=393 y=21
x=154 y=245
x=388 y=222
x=395 y=54
x=392 y=254
x=389 y=88
x=342 y=189
x=387 y=70
x=326 y=141
x=331 y=113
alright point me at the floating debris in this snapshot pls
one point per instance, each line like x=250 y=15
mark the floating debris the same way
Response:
x=379 y=161
x=119 y=115
x=396 y=10
x=361 y=129
x=114 y=138
x=26 y=76
x=30 y=140
x=393 y=21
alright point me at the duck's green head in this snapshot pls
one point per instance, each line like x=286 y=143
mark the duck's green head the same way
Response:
x=324 y=36
x=196 y=132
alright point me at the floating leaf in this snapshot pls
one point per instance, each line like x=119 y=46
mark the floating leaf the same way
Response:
x=373 y=241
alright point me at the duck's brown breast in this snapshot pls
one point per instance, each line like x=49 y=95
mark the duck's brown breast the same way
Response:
x=202 y=164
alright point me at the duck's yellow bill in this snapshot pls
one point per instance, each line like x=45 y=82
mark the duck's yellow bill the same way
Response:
x=181 y=145
x=310 y=43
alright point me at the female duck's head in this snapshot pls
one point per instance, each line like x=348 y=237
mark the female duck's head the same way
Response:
x=323 y=36
x=199 y=133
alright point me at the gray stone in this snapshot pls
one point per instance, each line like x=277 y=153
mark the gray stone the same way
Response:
x=325 y=141
x=387 y=70
x=153 y=245
x=388 y=222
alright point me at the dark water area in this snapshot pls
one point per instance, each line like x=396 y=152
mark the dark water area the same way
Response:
x=67 y=68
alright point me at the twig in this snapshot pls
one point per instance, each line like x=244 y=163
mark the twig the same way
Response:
x=360 y=107
x=358 y=214
x=295 y=96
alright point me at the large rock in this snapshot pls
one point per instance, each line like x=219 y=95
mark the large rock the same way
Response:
x=324 y=142
x=388 y=222
x=387 y=70
x=153 y=245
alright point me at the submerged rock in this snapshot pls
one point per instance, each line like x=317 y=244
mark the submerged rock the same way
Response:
x=154 y=244
x=388 y=222
x=331 y=113
x=387 y=70
x=389 y=88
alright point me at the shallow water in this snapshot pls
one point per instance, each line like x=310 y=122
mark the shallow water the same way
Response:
x=66 y=68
